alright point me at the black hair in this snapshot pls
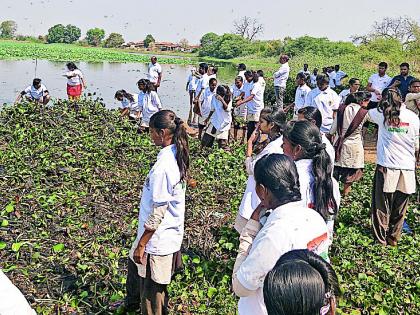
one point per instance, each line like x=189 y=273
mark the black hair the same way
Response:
x=279 y=175
x=71 y=66
x=390 y=106
x=204 y=65
x=337 y=66
x=240 y=78
x=214 y=69
x=301 y=75
x=148 y=85
x=167 y=119
x=36 y=81
x=322 y=78
x=357 y=97
x=124 y=93
x=277 y=117
x=405 y=64
x=212 y=80
x=251 y=74
x=311 y=114
x=224 y=91
x=308 y=136
x=241 y=67
x=353 y=81
x=414 y=81
x=383 y=64
x=301 y=283
x=260 y=73
x=305 y=64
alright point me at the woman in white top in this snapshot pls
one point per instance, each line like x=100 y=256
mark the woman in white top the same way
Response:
x=191 y=87
x=302 y=142
x=220 y=118
x=161 y=218
x=271 y=125
x=129 y=104
x=76 y=82
x=149 y=102
x=239 y=111
x=205 y=105
x=397 y=152
x=288 y=225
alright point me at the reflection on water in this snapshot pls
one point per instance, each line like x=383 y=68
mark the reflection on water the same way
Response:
x=103 y=78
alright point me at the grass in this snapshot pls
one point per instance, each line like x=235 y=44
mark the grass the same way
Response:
x=70 y=179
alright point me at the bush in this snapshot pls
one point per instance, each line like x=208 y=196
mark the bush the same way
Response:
x=321 y=46
x=226 y=46
x=63 y=34
x=114 y=40
x=94 y=36
x=8 y=29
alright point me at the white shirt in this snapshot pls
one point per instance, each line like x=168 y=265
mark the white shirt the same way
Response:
x=281 y=76
x=343 y=95
x=153 y=72
x=250 y=199
x=332 y=76
x=310 y=97
x=242 y=74
x=327 y=101
x=206 y=104
x=288 y=227
x=256 y=105
x=307 y=72
x=149 y=103
x=396 y=144
x=262 y=82
x=192 y=82
x=221 y=118
x=339 y=75
x=378 y=83
x=12 y=301
x=163 y=187
x=34 y=93
x=76 y=78
x=133 y=106
x=300 y=96
x=202 y=83
x=313 y=79
x=239 y=111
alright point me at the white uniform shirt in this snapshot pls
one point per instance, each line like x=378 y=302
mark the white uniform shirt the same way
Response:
x=76 y=78
x=343 y=95
x=242 y=74
x=339 y=75
x=163 y=187
x=239 y=111
x=313 y=79
x=153 y=72
x=34 y=93
x=396 y=144
x=12 y=301
x=300 y=96
x=133 y=106
x=327 y=101
x=256 y=105
x=307 y=72
x=332 y=76
x=281 y=76
x=288 y=227
x=378 y=83
x=310 y=97
x=250 y=199
x=206 y=104
x=221 y=118
x=262 y=82
x=192 y=82
x=203 y=82
x=149 y=103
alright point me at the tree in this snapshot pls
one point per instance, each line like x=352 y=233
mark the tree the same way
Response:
x=94 y=36
x=149 y=39
x=226 y=46
x=63 y=34
x=184 y=43
x=8 y=29
x=114 y=40
x=248 y=27
x=72 y=34
x=207 y=43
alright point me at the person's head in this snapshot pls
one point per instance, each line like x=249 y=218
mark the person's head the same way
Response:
x=315 y=71
x=212 y=84
x=272 y=122
x=203 y=68
x=311 y=114
x=283 y=59
x=300 y=79
x=324 y=70
x=305 y=67
x=251 y=76
x=330 y=69
x=361 y=97
x=36 y=83
x=260 y=73
x=214 y=70
x=390 y=106
x=145 y=85
x=153 y=60
x=241 y=67
x=336 y=68
x=414 y=86
x=322 y=81
x=277 y=180
x=404 y=69
x=224 y=91
x=121 y=94
x=303 y=140
x=301 y=283
x=354 y=85
x=239 y=81
x=165 y=129
x=71 y=66
x=382 y=67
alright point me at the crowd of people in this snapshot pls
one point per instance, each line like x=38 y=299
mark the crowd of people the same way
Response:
x=292 y=197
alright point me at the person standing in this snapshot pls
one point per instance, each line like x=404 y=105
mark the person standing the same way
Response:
x=205 y=105
x=148 y=102
x=154 y=73
x=395 y=177
x=305 y=69
x=280 y=80
x=339 y=76
x=301 y=93
x=76 y=82
x=313 y=78
x=353 y=88
x=402 y=81
x=241 y=70
x=191 y=87
x=331 y=75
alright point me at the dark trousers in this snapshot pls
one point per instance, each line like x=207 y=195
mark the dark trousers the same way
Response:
x=208 y=141
x=251 y=125
x=388 y=210
x=150 y=296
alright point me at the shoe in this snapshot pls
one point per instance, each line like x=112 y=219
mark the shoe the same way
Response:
x=406 y=228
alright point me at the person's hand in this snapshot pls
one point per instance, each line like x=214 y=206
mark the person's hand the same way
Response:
x=397 y=83
x=219 y=98
x=157 y=84
x=139 y=255
x=254 y=135
x=256 y=214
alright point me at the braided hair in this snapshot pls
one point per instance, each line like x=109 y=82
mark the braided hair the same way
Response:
x=390 y=106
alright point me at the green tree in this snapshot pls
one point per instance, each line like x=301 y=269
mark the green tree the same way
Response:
x=72 y=34
x=94 y=36
x=114 y=40
x=226 y=46
x=63 y=34
x=322 y=46
x=149 y=39
x=208 y=44
x=8 y=29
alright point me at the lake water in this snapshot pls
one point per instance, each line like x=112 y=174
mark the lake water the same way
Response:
x=103 y=78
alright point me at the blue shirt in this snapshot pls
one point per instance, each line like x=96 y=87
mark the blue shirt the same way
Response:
x=405 y=82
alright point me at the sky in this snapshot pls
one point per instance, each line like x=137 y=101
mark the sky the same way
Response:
x=174 y=20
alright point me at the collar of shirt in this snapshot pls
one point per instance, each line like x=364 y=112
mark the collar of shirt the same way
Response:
x=304 y=164
x=166 y=150
x=326 y=91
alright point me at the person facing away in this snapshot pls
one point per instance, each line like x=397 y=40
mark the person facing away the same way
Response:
x=154 y=74
x=280 y=79
x=301 y=283
x=354 y=85
x=286 y=225
x=76 y=81
x=339 y=76
x=37 y=92
x=241 y=70
x=402 y=81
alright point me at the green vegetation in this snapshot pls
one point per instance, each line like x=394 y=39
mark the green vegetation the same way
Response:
x=94 y=36
x=63 y=34
x=8 y=29
x=148 y=40
x=70 y=179
x=114 y=40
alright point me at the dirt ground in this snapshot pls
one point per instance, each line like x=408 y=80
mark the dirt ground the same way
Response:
x=370 y=148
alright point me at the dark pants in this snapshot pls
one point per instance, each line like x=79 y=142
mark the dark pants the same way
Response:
x=388 y=210
x=152 y=297
x=208 y=141
x=251 y=125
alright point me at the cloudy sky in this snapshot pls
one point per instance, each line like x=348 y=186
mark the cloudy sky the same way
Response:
x=173 y=20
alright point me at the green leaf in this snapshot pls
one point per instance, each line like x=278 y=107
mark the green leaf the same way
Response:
x=10 y=207
x=16 y=246
x=58 y=248
x=377 y=297
x=2 y=245
x=4 y=223
x=211 y=292
x=196 y=260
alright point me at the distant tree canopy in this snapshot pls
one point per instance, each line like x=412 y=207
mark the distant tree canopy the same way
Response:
x=247 y=27
x=8 y=29
x=94 y=36
x=114 y=40
x=225 y=46
x=63 y=34
x=321 y=46
x=148 y=40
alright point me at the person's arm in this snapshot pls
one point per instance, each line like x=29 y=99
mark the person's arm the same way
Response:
x=248 y=99
x=208 y=118
x=221 y=100
x=156 y=100
x=333 y=129
x=395 y=83
x=84 y=84
x=159 y=78
x=19 y=97
x=282 y=71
